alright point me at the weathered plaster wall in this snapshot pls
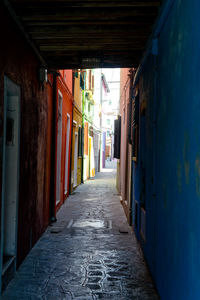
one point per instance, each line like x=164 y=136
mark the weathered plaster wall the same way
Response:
x=124 y=94
x=20 y=64
x=48 y=149
x=143 y=171
x=178 y=144
x=86 y=152
x=67 y=105
x=78 y=92
x=77 y=117
x=173 y=207
x=67 y=77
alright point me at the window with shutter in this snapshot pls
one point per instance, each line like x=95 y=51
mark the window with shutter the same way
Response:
x=92 y=82
x=117 y=137
x=90 y=74
x=82 y=81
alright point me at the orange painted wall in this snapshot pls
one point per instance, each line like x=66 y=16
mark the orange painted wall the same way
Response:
x=67 y=105
x=67 y=77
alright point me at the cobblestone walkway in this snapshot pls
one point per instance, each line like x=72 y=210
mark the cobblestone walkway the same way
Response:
x=89 y=253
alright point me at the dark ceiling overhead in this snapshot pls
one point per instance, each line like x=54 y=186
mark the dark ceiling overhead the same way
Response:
x=91 y=33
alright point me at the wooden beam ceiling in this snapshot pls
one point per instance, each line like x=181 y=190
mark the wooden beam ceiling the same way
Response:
x=67 y=33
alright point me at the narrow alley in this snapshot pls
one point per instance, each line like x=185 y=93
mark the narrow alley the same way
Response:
x=99 y=149
x=89 y=253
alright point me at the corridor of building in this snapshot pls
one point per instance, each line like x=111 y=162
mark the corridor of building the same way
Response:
x=69 y=227
x=89 y=253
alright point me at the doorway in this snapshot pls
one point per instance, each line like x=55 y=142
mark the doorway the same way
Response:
x=89 y=157
x=67 y=153
x=75 y=158
x=10 y=183
x=59 y=147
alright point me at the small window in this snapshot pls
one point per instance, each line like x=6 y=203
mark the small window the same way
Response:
x=109 y=102
x=117 y=137
x=108 y=133
x=108 y=121
x=82 y=81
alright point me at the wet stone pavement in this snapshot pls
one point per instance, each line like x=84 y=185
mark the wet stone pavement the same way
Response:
x=89 y=253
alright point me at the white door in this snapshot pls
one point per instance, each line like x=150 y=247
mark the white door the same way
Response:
x=67 y=153
x=75 y=158
x=59 y=148
x=11 y=179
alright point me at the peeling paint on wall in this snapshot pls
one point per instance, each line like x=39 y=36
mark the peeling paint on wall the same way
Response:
x=172 y=214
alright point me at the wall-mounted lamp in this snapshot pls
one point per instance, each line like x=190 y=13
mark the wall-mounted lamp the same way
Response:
x=43 y=75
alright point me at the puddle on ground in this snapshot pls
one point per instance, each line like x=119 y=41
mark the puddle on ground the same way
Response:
x=89 y=223
x=91 y=199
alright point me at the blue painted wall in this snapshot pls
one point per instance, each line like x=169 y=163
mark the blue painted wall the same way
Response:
x=143 y=180
x=172 y=91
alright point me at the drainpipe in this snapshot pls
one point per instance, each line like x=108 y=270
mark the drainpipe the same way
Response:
x=53 y=152
x=101 y=137
x=70 y=169
x=82 y=132
x=131 y=188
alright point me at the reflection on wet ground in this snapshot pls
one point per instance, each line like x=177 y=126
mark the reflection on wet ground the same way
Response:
x=89 y=223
